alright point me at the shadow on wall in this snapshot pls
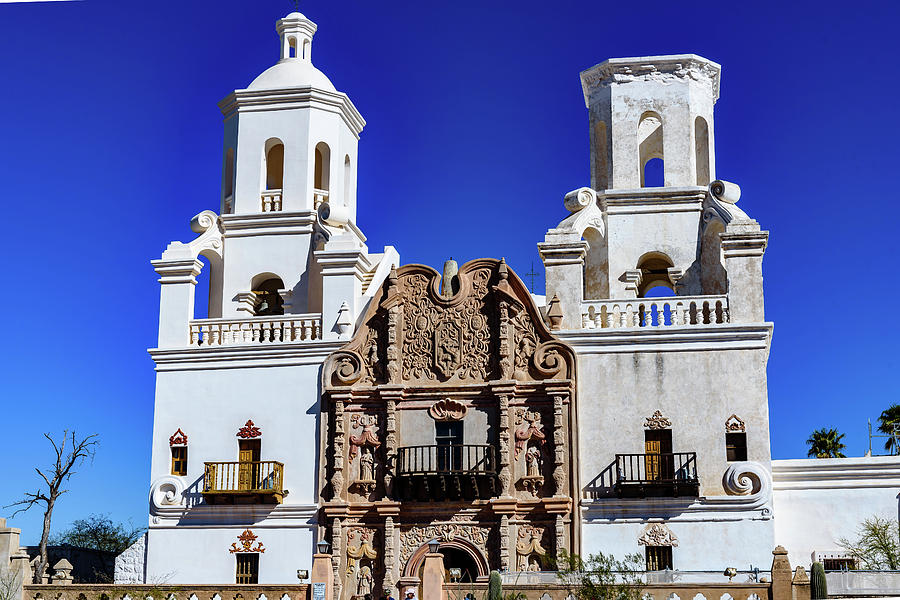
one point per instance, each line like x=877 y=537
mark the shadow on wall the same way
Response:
x=88 y=565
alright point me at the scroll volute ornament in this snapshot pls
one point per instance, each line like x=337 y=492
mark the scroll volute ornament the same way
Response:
x=447 y=410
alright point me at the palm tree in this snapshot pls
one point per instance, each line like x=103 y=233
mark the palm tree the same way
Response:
x=826 y=443
x=889 y=419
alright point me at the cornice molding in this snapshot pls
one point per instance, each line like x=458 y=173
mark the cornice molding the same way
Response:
x=652 y=200
x=692 y=338
x=243 y=356
x=830 y=473
x=277 y=223
x=246 y=100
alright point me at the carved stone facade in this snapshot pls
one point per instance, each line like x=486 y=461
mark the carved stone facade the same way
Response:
x=443 y=417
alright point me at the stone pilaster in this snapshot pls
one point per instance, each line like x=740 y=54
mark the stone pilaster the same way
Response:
x=337 y=478
x=743 y=247
x=559 y=538
x=177 y=278
x=504 y=542
x=389 y=557
x=564 y=267
x=505 y=474
x=559 y=448
x=336 y=553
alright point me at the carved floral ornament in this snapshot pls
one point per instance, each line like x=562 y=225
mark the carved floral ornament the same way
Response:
x=246 y=540
x=179 y=438
x=529 y=548
x=735 y=424
x=657 y=421
x=487 y=330
x=249 y=430
x=447 y=410
x=657 y=534
x=415 y=538
x=360 y=545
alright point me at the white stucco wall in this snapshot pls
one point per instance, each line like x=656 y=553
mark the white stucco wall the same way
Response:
x=819 y=501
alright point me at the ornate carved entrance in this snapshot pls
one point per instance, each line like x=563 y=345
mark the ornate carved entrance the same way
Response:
x=448 y=417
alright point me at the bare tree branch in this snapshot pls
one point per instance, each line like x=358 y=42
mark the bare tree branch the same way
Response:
x=60 y=472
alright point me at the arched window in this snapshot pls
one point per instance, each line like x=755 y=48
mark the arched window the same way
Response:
x=268 y=300
x=701 y=139
x=323 y=165
x=228 y=184
x=596 y=265
x=274 y=164
x=654 y=267
x=650 y=144
x=306 y=48
x=347 y=180
x=292 y=50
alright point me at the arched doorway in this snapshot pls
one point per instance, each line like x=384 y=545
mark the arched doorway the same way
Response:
x=459 y=565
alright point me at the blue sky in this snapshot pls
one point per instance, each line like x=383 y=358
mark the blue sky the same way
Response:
x=110 y=141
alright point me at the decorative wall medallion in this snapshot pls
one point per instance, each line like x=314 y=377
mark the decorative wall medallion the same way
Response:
x=246 y=539
x=657 y=421
x=447 y=410
x=179 y=438
x=657 y=534
x=528 y=428
x=249 y=430
x=734 y=424
x=529 y=549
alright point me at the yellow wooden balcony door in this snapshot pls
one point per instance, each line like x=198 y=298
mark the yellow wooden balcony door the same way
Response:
x=248 y=465
x=657 y=454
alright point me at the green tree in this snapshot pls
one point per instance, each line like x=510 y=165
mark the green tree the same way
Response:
x=826 y=443
x=99 y=532
x=886 y=422
x=601 y=576
x=877 y=546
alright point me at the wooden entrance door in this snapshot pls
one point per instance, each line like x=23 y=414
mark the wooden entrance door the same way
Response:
x=658 y=462
x=248 y=465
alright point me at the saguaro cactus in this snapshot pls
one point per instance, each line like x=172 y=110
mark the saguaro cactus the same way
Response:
x=818 y=586
x=495 y=586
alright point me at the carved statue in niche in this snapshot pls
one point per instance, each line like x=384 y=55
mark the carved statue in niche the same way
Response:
x=365 y=444
x=531 y=553
x=360 y=554
x=531 y=439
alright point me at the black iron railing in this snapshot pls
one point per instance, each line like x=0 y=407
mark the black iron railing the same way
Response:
x=467 y=459
x=655 y=474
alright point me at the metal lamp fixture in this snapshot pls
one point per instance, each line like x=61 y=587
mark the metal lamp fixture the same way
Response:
x=323 y=546
x=434 y=546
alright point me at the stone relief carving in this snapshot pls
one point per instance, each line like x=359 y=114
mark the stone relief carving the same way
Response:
x=657 y=421
x=528 y=427
x=246 y=539
x=361 y=553
x=734 y=424
x=365 y=444
x=413 y=539
x=482 y=332
x=166 y=491
x=657 y=534
x=447 y=410
x=530 y=551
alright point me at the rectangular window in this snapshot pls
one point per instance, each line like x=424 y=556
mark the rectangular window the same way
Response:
x=736 y=446
x=247 y=568
x=839 y=564
x=659 y=558
x=448 y=435
x=179 y=460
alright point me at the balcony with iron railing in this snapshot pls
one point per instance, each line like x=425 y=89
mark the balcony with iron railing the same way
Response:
x=673 y=311
x=446 y=472
x=281 y=329
x=656 y=475
x=243 y=482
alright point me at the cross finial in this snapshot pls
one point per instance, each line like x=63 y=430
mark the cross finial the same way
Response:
x=296 y=4
x=531 y=275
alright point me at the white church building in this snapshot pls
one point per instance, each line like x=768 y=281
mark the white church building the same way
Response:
x=336 y=394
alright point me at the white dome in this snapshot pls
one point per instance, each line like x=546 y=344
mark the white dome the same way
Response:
x=292 y=73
